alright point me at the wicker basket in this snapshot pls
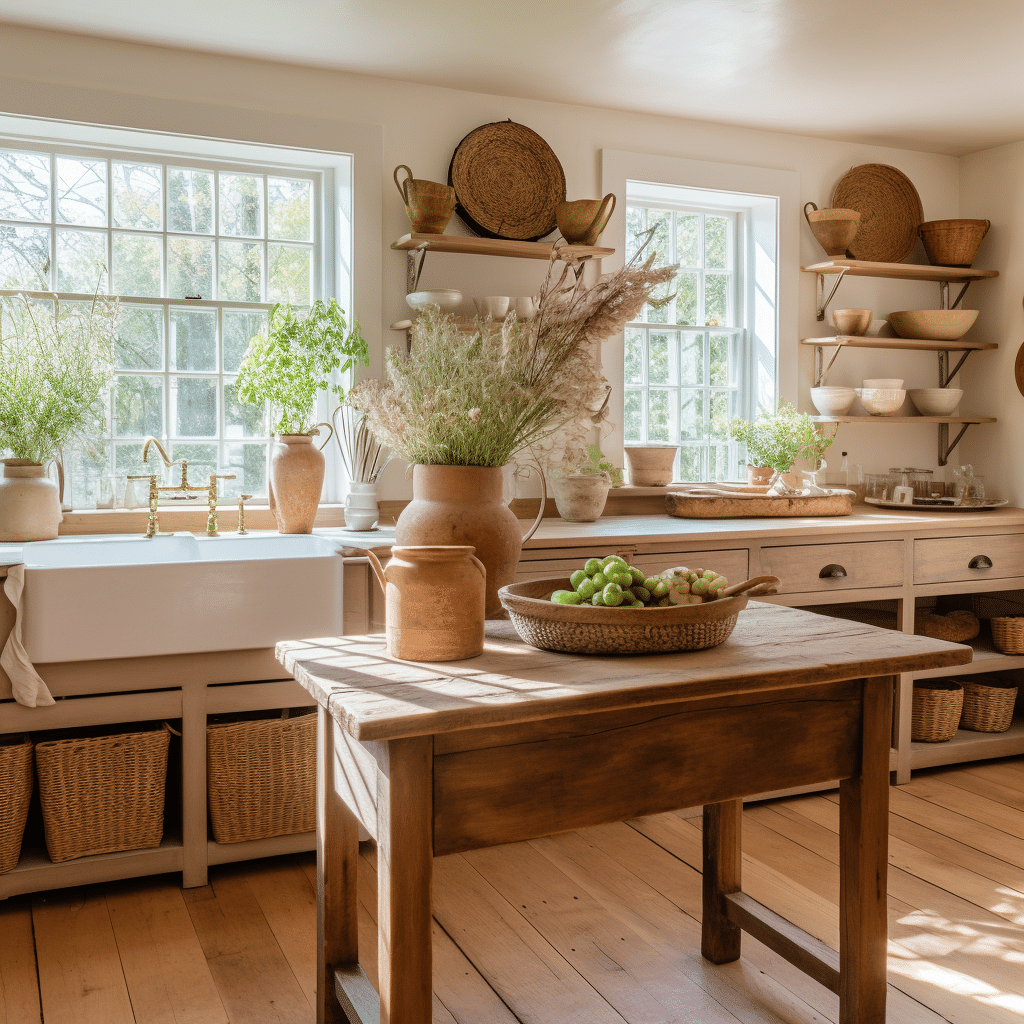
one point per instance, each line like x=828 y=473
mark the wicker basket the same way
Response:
x=584 y=629
x=16 y=788
x=936 y=712
x=988 y=706
x=1008 y=633
x=261 y=778
x=956 y=626
x=101 y=794
x=952 y=243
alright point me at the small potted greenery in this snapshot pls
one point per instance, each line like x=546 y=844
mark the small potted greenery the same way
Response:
x=776 y=442
x=298 y=357
x=57 y=361
x=580 y=487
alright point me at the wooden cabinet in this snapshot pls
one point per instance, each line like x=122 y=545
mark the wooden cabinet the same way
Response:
x=829 y=567
x=963 y=559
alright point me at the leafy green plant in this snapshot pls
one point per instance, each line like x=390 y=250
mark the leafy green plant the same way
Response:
x=56 y=361
x=590 y=461
x=296 y=359
x=778 y=441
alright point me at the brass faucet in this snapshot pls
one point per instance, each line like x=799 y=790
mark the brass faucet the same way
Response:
x=153 y=525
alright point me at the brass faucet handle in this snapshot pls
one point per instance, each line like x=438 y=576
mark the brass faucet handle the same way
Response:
x=211 y=491
x=242 y=499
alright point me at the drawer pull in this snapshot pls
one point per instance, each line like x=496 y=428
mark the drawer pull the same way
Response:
x=980 y=562
x=832 y=571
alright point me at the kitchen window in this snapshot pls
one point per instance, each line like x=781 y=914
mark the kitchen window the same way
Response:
x=198 y=250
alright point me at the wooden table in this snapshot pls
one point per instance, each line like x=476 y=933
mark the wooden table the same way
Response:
x=519 y=743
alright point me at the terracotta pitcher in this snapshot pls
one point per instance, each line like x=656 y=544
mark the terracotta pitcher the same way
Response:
x=296 y=480
x=834 y=228
x=29 y=502
x=433 y=602
x=429 y=204
x=463 y=505
x=582 y=221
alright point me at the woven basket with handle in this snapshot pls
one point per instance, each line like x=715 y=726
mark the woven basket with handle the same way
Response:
x=988 y=705
x=15 y=795
x=936 y=710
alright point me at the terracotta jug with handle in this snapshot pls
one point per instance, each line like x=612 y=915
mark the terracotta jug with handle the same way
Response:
x=433 y=601
x=582 y=221
x=429 y=204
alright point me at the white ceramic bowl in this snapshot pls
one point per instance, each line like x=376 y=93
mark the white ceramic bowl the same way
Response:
x=833 y=401
x=884 y=383
x=881 y=401
x=935 y=401
x=446 y=298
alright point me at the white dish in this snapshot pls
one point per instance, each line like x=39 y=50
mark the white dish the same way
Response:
x=935 y=401
x=446 y=298
x=833 y=401
x=881 y=401
x=994 y=503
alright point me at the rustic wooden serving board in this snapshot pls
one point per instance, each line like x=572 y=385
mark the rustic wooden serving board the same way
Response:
x=725 y=501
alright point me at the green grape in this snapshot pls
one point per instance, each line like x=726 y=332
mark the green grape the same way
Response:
x=650 y=583
x=565 y=597
x=642 y=593
x=661 y=588
x=592 y=566
x=695 y=599
x=598 y=600
x=586 y=589
x=700 y=586
x=612 y=594
x=638 y=575
x=709 y=575
x=608 y=559
x=624 y=579
x=600 y=579
x=577 y=578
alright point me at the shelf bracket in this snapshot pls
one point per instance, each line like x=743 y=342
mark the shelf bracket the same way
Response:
x=414 y=259
x=945 y=373
x=944 y=302
x=945 y=448
x=822 y=301
x=819 y=358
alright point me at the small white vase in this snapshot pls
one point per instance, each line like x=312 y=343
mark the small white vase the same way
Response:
x=580 y=497
x=29 y=503
x=361 y=511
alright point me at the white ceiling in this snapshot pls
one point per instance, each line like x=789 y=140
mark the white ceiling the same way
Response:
x=938 y=75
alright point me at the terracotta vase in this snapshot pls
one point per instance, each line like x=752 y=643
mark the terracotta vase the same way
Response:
x=29 y=503
x=296 y=480
x=580 y=497
x=463 y=505
x=433 y=602
x=651 y=465
x=759 y=475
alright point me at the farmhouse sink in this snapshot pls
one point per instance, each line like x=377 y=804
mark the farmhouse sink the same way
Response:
x=88 y=598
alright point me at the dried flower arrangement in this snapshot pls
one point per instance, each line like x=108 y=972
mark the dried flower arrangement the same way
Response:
x=478 y=398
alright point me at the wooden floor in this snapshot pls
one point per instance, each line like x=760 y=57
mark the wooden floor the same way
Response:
x=591 y=927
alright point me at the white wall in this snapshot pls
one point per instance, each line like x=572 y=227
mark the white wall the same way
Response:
x=79 y=78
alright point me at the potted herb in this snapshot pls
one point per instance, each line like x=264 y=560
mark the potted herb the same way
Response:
x=580 y=486
x=57 y=360
x=288 y=367
x=776 y=442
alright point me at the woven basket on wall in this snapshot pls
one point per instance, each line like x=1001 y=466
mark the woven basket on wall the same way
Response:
x=101 y=794
x=261 y=778
x=1008 y=633
x=15 y=795
x=936 y=710
x=988 y=707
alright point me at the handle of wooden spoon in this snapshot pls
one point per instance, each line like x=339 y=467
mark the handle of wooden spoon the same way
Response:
x=755 y=585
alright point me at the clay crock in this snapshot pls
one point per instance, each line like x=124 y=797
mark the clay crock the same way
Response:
x=296 y=480
x=463 y=505
x=580 y=497
x=651 y=466
x=29 y=503
x=433 y=602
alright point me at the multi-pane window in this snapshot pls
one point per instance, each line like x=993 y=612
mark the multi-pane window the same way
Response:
x=198 y=251
x=683 y=359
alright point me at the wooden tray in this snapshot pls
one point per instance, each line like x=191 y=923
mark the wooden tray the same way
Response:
x=735 y=501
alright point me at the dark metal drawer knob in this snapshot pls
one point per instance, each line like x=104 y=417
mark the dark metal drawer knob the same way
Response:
x=980 y=562
x=832 y=571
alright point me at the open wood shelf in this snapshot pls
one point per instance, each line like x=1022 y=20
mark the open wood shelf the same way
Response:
x=903 y=419
x=901 y=271
x=986 y=659
x=228 y=853
x=919 y=344
x=498 y=247
x=969 y=746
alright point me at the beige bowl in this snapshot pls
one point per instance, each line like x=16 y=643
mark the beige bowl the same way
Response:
x=851 y=321
x=881 y=401
x=933 y=324
x=833 y=401
x=936 y=401
x=651 y=466
x=884 y=383
x=446 y=298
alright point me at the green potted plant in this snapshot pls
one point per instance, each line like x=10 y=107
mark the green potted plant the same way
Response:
x=775 y=442
x=580 y=485
x=57 y=361
x=298 y=357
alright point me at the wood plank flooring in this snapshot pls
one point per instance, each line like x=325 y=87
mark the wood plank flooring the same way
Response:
x=593 y=927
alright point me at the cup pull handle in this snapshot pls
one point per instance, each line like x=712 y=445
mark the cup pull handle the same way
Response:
x=980 y=562
x=832 y=571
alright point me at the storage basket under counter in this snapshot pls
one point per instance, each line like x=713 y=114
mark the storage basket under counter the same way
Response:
x=261 y=776
x=16 y=787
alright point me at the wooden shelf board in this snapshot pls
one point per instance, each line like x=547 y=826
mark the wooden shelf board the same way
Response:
x=498 y=247
x=228 y=853
x=969 y=746
x=986 y=659
x=903 y=271
x=920 y=344
x=903 y=419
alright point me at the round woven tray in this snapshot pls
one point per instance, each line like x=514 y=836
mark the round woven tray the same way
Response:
x=956 y=626
x=987 y=708
x=936 y=710
x=584 y=629
x=890 y=212
x=507 y=181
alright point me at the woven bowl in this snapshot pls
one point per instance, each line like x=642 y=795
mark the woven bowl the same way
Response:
x=933 y=324
x=584 y=629
x=952 y=243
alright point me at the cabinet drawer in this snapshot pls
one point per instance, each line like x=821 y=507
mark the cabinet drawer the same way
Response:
x=855 y=566
x=953 y=559
x=731 y=564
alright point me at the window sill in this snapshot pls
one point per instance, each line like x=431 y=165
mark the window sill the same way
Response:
x=190 y=520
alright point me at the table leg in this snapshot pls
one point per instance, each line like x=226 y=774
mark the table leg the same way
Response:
x=337 y=856
x=720 y=938
x=405 y=866
x=863 y=863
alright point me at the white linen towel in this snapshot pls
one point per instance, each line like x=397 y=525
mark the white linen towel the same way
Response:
x=29 y=689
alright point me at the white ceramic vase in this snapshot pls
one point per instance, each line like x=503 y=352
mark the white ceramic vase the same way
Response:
x=361 y=511
x=29 y=503
x=580 y=497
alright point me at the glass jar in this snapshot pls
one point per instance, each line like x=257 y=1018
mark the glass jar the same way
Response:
x=920 y=480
